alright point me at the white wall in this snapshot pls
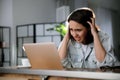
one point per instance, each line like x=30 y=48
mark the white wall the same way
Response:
x=80 y=3
x=33 y=11
x=6 y=13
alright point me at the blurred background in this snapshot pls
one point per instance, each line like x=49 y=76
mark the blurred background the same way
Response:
x=27 y=21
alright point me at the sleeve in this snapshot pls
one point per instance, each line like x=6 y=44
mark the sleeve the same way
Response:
x=66 y=61
x=110 y=57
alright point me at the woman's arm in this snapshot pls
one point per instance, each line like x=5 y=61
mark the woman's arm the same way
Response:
x=99 y=49
x=63 y=47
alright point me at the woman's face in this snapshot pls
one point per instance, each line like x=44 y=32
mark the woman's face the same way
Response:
x=78 y=31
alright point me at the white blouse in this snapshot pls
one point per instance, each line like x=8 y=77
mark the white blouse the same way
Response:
x=83 y=56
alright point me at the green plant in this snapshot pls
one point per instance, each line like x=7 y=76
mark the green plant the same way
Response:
x=61 y=28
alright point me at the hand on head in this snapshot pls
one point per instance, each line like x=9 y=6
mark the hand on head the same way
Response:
x=93 y=26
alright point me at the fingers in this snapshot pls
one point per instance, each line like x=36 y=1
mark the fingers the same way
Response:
x=89 y=23
x=93 y=21
x=92 y=24
x=67 y=35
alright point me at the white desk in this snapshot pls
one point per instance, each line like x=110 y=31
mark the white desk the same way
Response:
x=63 y=73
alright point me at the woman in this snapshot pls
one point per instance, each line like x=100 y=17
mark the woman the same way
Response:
x=84 y=45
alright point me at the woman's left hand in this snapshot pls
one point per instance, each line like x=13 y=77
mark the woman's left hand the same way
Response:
x=93 y=26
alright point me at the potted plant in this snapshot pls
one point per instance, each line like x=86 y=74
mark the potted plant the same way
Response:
x=61 y=28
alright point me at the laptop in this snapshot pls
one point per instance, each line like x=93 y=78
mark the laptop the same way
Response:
x=43 y=55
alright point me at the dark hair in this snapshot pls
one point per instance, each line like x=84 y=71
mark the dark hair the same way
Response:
x=81 y=16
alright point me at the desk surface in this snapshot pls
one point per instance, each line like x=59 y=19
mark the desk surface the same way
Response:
x=63 y=73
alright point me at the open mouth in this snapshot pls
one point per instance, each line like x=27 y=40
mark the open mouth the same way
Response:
x=77 y=39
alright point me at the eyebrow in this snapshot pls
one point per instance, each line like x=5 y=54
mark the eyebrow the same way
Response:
x=76 y=29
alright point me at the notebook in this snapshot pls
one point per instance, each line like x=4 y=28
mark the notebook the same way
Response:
x=43 y=55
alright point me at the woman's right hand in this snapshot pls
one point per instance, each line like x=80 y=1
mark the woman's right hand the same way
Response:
x=63 y=47
x=67 y=35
